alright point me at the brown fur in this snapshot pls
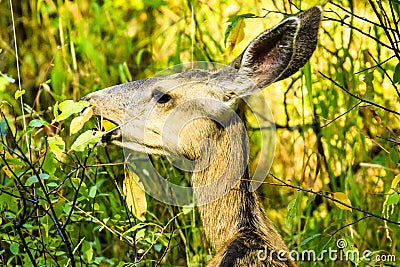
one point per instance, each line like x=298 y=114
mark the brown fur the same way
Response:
x=203 y=120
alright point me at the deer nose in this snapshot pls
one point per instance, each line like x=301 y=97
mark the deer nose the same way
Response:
x=90 y=97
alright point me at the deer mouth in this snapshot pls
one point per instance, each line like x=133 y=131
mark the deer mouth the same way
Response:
x=112 y=131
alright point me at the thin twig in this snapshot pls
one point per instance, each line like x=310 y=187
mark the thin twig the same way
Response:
x=377 y=64
x=25 y=245
x=52 y=214
x=357 y=97
x=385 y=72
x=349 y=224
x=341 y=115
x=283 y=183
x=361 y=31
x=359 y=17
x=83 y=166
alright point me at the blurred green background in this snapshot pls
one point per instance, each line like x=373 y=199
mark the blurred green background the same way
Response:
x=337 y=129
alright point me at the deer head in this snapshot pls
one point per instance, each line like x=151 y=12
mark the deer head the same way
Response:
x=174 y=115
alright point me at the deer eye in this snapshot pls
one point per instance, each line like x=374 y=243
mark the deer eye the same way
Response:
x=160 y=97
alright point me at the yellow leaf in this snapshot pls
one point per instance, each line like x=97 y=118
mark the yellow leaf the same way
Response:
x=236 y=35
x=57 y=146
x=386 y=206
x=8 y=170
x=78 y=122
x=108 y=125
x=342 y=197
x=395 y=182
x=135 y=195
x=19 y=93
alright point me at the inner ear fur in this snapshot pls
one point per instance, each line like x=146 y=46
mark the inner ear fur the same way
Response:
x=278 y=52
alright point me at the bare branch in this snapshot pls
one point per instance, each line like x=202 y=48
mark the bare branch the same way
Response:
x=283 y=183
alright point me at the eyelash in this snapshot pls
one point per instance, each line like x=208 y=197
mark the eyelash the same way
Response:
x=161 y=97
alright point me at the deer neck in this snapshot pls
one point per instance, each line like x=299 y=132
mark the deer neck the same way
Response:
x=222 y=190
x=227 y=204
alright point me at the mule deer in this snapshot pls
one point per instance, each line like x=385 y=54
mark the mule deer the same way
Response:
x=190 y=114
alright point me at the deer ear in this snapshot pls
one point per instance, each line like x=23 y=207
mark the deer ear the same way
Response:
x=306 y=40
x=277 y=53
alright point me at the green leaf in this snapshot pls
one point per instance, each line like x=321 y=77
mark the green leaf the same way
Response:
x=87 y=139
x=92 y=191
x=59 y=253
x=396 y=75
x=55 y=110
x=29 y=226
x=14 y=248
x=67 y=208
x=154 y=3
x=308 y=78
x=291 y=213
x=34 y=179
x=187 y=209
x=3 y=84
x=50 y=163
x=5 y=81
x=394 y=155
x=87 y=250
x=31 y=180
x=370 y=91
x=140 y=234
x=158 y=247
x=308 y=239
x=132 y=229
x=122 y=75
x=59 y=76
x=37 y=123
x=393 y=199
x=127 y=72
x=3 y=128
x=69 y=107
x=8 y=78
